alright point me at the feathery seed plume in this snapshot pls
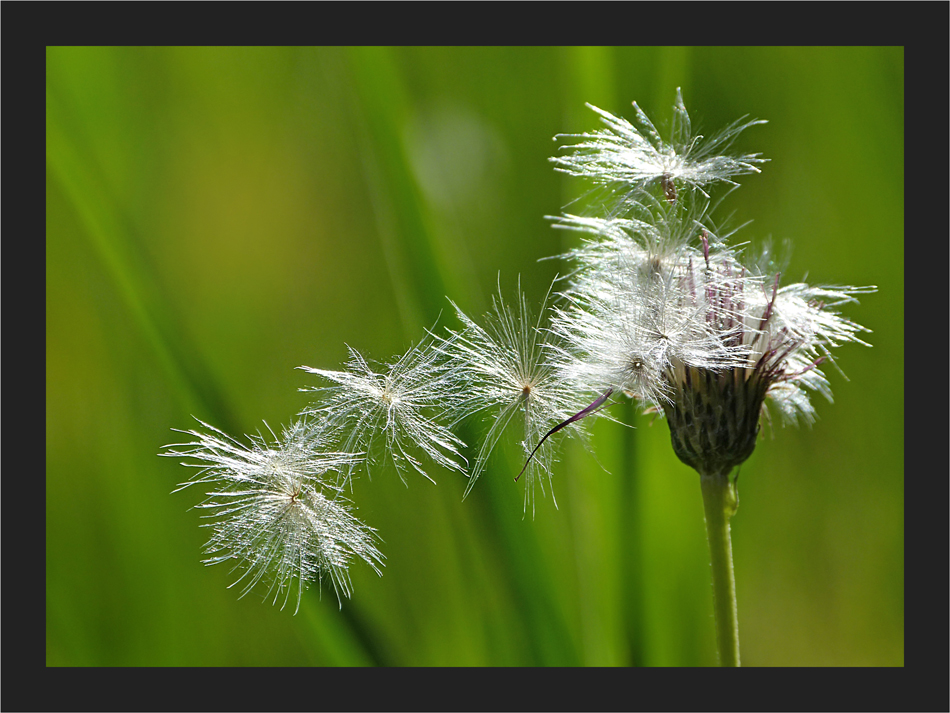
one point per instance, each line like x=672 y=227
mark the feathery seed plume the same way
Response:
x=275 y=515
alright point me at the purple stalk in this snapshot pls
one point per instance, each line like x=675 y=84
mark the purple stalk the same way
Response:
x=576 y=417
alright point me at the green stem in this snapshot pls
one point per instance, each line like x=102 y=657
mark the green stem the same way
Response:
x=720 y=502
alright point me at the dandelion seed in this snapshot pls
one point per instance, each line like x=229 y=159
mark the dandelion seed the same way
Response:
x=630 y=158
x=392 y=412
x=510 y=373
x=275 y=515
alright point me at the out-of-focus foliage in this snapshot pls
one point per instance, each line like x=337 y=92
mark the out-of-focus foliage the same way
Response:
x=217 y=217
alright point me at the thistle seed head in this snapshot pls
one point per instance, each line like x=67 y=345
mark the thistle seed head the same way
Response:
x=662 y=309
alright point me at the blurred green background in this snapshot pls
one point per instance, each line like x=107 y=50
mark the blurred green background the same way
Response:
x=216 y=217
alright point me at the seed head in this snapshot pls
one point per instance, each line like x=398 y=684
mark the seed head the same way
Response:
x=662 y=309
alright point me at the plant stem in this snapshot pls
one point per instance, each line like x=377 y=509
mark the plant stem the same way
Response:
x=720 y=501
